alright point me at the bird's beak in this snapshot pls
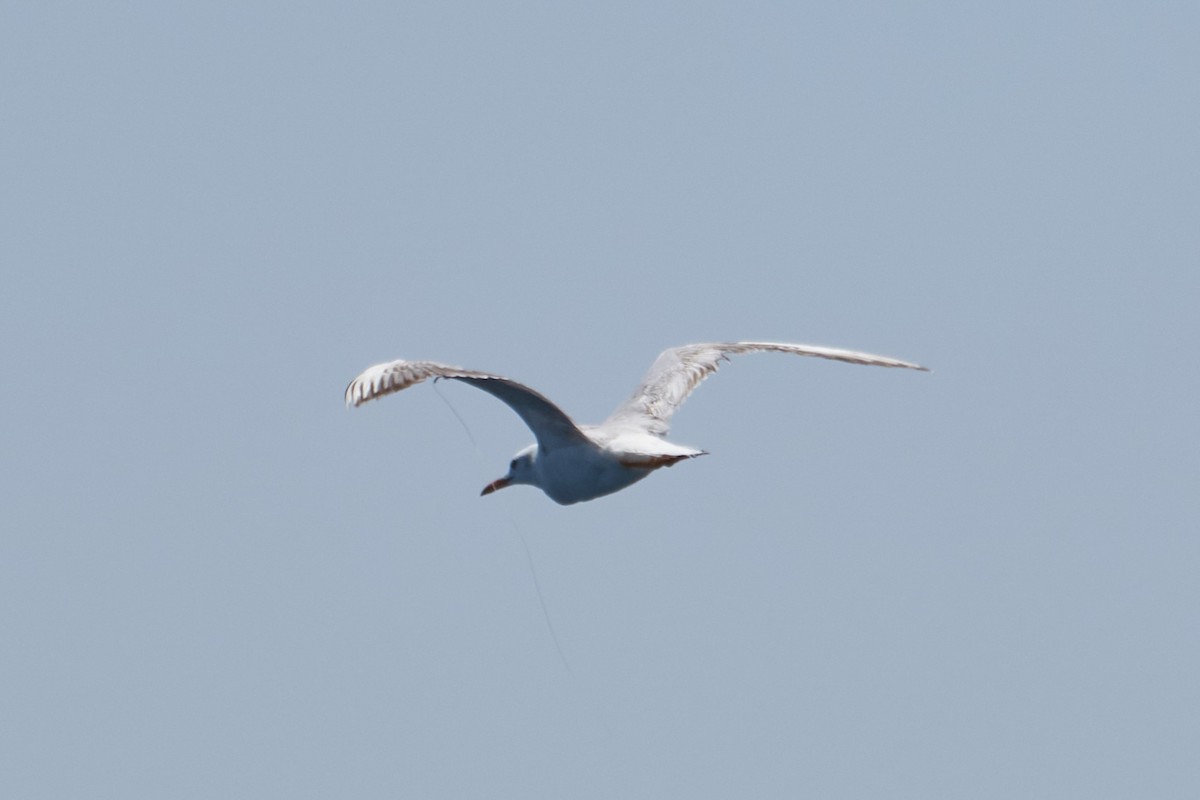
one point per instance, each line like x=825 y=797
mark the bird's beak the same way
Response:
x=499 y=483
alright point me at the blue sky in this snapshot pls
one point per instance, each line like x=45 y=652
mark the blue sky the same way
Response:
x=215 y=581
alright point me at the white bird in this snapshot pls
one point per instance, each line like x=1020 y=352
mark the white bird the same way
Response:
x=572 y=463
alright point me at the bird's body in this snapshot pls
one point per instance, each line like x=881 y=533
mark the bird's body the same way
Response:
x=572 y=463
x=605 y=465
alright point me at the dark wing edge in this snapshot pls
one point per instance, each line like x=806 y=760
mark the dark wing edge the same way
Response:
x=550 y=425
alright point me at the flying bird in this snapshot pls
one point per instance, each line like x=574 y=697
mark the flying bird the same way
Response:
x=572 y=463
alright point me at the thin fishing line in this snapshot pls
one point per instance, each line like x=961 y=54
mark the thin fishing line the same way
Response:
x=520 y=535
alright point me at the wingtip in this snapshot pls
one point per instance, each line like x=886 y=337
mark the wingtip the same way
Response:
x=354 y=396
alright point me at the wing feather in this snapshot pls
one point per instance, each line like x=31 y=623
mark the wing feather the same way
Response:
x=550 y=425
x=678 y=371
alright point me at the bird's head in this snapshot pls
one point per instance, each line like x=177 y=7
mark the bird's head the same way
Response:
x=520 y=470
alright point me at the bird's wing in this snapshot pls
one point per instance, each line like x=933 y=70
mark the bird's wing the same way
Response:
x=549 y=424
x=678 y=371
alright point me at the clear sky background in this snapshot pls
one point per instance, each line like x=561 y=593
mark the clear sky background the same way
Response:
x=217 y=582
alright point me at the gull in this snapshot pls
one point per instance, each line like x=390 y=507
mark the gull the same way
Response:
x=572 y=463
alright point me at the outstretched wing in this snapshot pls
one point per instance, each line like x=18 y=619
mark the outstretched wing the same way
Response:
x=678 y=371
x=549 y=424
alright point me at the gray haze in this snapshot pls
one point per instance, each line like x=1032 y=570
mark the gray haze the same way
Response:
x=217 y=582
